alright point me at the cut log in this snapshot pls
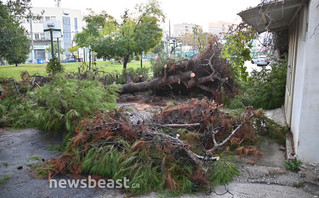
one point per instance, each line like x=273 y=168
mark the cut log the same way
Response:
x=158 y=82
x=187 y=78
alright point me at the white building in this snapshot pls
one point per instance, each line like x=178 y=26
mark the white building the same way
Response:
x=302 y=90
x=71 y=22
x=184 y=28
x=218 y=27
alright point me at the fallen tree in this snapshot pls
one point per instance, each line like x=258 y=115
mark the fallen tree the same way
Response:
x=156 y=155
x=209 y=73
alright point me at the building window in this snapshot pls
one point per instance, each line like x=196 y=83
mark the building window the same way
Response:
x=67 y=34
x=47 y=18
x=42 y=36
x=36 y=36
x=76 y=25
x=53 y=18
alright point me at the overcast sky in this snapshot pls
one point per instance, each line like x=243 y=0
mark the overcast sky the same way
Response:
x=200 y=12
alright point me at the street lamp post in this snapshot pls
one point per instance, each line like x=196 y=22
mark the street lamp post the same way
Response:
x=52 y=47
x=58 y=48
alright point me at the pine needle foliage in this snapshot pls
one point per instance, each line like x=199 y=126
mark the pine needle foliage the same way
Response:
x=59 y=105
x=223 y=171
x=62 y=103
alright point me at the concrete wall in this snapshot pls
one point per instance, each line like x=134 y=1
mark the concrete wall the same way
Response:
x=305 y=111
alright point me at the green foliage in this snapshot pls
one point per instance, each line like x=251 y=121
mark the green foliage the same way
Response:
x=14 y=43
x=159 y=48
x=102 y=161
x=293 y=164
x=73 y=50
x=136 y=75
x=272 y=129
x=237 y=49
x=299 y=184
x=62 y=103
x=132 y=36
x=54 y=66
x=4 y=178
x=58 y=105
x=3 y=117
x=56 y=51
x=201 y=38
x=264 y=89
x=223 y=171
x=158 y=64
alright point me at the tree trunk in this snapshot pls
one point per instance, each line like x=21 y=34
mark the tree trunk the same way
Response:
x=158 y=82
x=189 y=79
x=126 y=58
x=16 y=64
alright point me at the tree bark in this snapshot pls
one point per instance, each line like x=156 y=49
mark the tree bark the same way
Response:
x=126 y=58
x=158 y=82
x=187 y=78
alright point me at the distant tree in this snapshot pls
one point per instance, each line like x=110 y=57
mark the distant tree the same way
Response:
x=55 y=45
x=14 y=43
x=91 y=33
x=237 y=47
x=73 y=50
x=18 y=51
x=133 y=36
x=159 y=48
x=201 y=38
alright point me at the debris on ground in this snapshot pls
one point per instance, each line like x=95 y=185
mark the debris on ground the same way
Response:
x=181 y=149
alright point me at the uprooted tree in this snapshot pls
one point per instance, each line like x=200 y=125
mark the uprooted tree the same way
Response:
x=209 y=72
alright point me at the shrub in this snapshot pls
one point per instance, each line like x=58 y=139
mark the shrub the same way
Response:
x=264 y=89
x=293 y=164
x=54 y=66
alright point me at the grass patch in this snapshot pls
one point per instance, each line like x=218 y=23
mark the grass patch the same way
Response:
x=11 y=71
x=293 y=164
x=4 y=178
x=35 y=158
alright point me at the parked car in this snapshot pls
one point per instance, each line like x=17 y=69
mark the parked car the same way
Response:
x=68 y=60
x=262 y=60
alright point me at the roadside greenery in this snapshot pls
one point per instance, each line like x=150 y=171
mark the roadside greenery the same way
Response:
x=293 y=164
x=264 y=89
x=237 y=48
